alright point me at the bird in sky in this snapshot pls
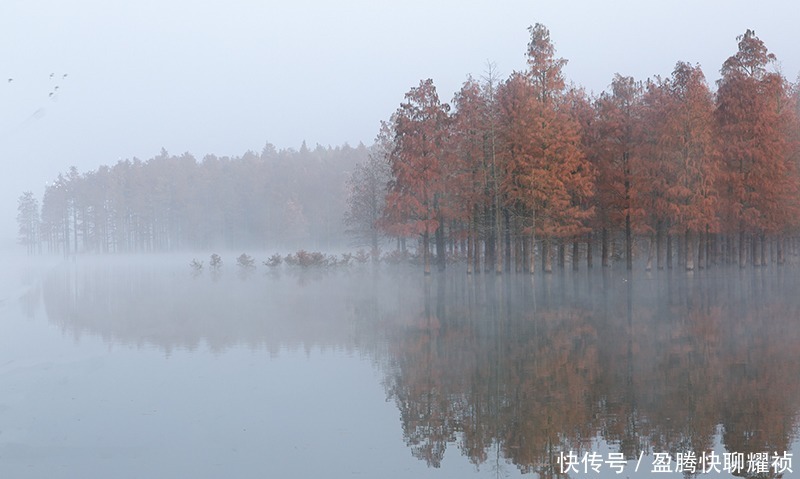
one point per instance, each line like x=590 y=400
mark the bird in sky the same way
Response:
x=52 y=75
x=10 y=80
x=65 y=75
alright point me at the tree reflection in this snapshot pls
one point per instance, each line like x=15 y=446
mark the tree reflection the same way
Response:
x=661 y=365
x=503 y=370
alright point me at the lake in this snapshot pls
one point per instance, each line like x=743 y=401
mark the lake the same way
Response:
x=135 y=367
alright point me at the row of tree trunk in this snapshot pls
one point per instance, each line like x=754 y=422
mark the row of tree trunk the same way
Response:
x=519 y=253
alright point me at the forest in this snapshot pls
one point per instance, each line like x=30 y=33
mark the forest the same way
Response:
x=171 y=203
x=530 y=169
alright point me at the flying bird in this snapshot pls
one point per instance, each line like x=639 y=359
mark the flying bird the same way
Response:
x=56 y=88
x=65 y=75
x=10 y=80
x=50 y=94
x=51 y=75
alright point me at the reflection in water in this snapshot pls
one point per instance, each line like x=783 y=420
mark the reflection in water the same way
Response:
x=504 y=370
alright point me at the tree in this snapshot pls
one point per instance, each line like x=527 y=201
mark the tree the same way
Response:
x=170 y=202
x=688 y=138
x=472 y=132
x=366 y=198
x=618 y=162
x=544 y=169
x=679 y=162
x=759 y=174
x=414 y=201
x=581 y=111
x=28 y=221
x=56 y=215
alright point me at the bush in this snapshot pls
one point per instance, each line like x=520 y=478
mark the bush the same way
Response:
x=347 y=259
x=395 y=257
x=216 y=262
x=245 y=261
x=197 y=267
x=312 y=259
x=306 y=259
x=362 y=256
x=274 y=261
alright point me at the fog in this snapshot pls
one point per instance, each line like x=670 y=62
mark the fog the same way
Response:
x=133 y=366
x=226 y=77
x=235 y=279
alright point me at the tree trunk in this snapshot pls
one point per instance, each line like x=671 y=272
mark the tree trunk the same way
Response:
x=628 y=242
x=742 y=249
x=441 y=247
x=712 y=240
x=489 y=248
x=729 y=255
x=498 y=253
x=701 y=250
x=374 y=242
x=605 y=253
x=755 y=246
x=532 y=246
x=470 y=245
x=689 y=248
x=576 y=254
x=425 y=253
x=526 y=253
x=669 y=251
x=589 y=259
x=507 y=223
x=476 y=251
x=547 y=260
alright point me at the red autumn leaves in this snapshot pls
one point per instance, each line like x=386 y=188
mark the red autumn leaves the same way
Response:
x=654 y=168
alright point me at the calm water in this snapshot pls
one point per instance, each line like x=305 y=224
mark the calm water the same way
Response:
x=138 y=369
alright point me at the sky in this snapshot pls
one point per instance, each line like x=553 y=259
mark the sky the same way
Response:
x=226 y=76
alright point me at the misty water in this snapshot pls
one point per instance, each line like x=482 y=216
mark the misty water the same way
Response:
x=135 y=367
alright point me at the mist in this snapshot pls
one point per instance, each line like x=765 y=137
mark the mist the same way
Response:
x=384 y=371
x=413 y=240
x=223 y=78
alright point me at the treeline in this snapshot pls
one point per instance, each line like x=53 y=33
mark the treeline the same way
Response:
x=513 y=172
x=273 y=199
x=528 y=167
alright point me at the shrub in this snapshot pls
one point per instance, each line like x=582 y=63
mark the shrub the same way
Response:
x=306 y=259
x=347 y=259
x=197 y=267
x=216 y=262
x=274 y=261
x=362 y=256
x=395 y=257
x=245 y=261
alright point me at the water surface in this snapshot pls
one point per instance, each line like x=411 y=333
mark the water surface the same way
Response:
x=137 y=368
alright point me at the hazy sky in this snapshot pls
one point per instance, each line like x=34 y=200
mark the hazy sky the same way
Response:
x=228 y=76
